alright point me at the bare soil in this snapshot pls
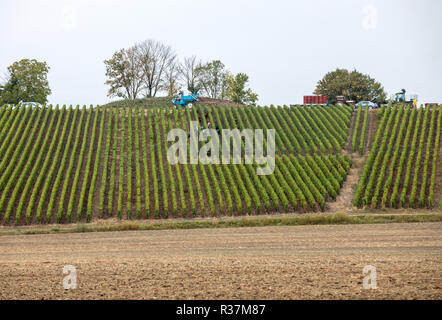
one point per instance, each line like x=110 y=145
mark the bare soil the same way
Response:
x=344 y=200
x=297 y=262
x=217 y=102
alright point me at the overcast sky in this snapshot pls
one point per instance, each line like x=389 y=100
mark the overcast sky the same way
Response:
x=284 y=46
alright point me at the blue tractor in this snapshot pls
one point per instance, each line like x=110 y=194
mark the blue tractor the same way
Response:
x=183 y=101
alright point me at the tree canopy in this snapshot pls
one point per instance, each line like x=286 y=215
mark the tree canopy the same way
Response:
x=212 y=79
x=26 y=82
x=352 y=85
x=237 y=91
x=150 y=67
x=125 y=76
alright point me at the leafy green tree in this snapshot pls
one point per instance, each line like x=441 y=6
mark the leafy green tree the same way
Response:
x=212 y=79
x=27 y=81
x=352 y=85
x=237 y=91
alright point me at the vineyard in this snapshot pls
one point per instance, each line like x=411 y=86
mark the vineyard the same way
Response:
x=73 y=164
x=400 y=170
x=359 y=132
x=70 y=164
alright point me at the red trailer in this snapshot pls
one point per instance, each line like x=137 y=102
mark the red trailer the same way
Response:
x=315 y=99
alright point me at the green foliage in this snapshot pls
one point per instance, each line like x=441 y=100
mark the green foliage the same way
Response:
x=430 y=200
x=61 y=170
x=115 y=117
x=122 y=120
x=355 y=130
x=27 y=82
x=178 y=174
x=188 y=176
x=202 y=170
x=34 y=160
x=168 y=166
x=397 y=170
x=145 y=164
x=129 y=165
x=94 y=162
x=413 y=194
x=15 y=146
x=357 y=200
x=12 y=173
x=212 y=80
x=421 y=199
x=237 y=91
x=159 y=153
x=137 y=162
x=89 y=166
x=47 y=186
x=395 y=192
x=125 y=74
x=44 y=169
x=352 y=85
x=68 y=177
x=386 y=159
x=408 y=174
x=153 y=164
x=79 y=165
x=363 y=132
x=107 y=149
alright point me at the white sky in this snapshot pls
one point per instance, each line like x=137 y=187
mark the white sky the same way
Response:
x=284 y=46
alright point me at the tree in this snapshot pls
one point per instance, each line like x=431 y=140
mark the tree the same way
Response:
x=150 y=67
x=126 y=77
x=171 y=77
x=212 y=78
x=237 y=91
x=155 y=59
x=189 y=71
x=26 y=81
x=352 y=85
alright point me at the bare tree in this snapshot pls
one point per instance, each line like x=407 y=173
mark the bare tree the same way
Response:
x=151 y=66
x=155 y=59
x=189 y=71
x=171 y=79
x=125 y=74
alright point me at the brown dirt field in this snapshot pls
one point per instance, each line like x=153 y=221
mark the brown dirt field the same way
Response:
x=317 y=262
x=217 y=102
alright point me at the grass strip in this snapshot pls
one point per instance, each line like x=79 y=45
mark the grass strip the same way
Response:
x=290 y=220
